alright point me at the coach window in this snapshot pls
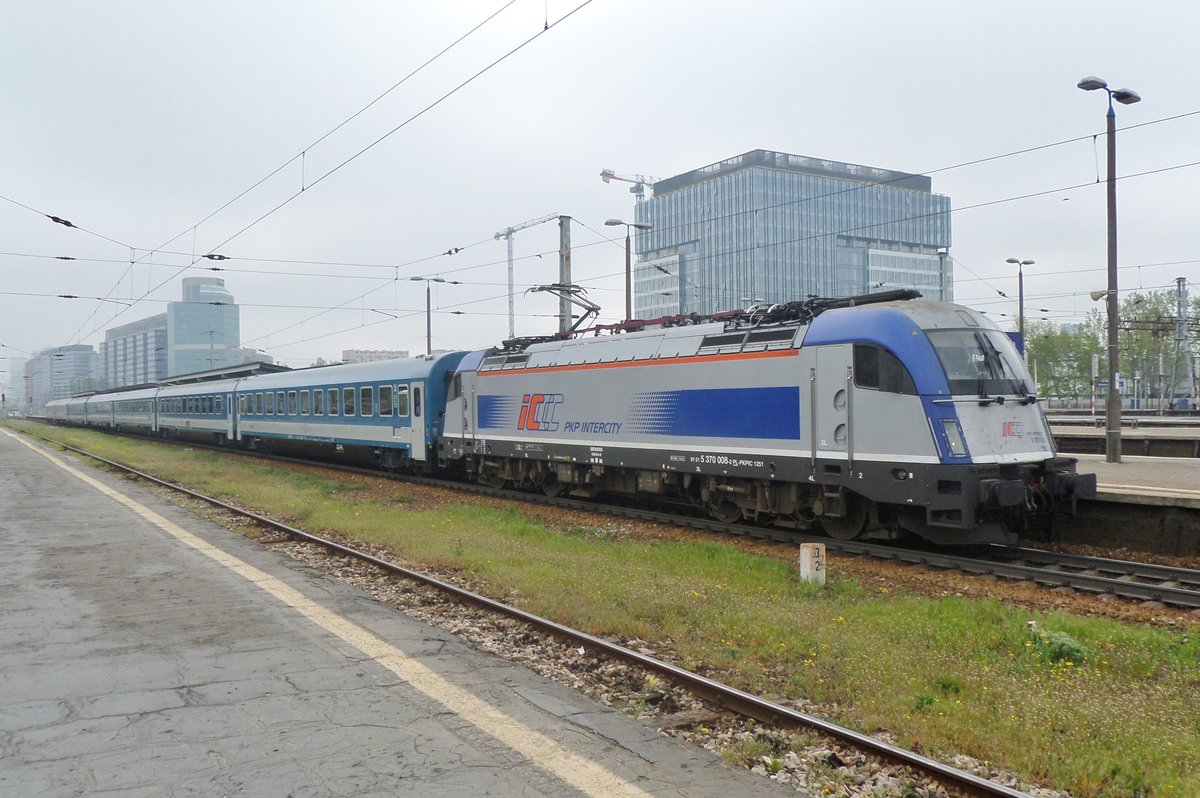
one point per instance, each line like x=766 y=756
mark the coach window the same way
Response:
x=281 y=403
x=347 y=401
x=241 y=404
x=304 y=403
x=385 y=400
x=293 y=404
x=318 y=402
x=333 y=401
x=260 y=408
x=366 y=398
x=879 y=369
x=270 y=403
x=417 y=401
x=208 y=405
x=402 y=400
x=220 y=406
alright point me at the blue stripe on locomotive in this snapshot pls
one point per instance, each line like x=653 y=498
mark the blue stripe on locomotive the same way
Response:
x=719 y=413
x=890 y=328
x=497 y=412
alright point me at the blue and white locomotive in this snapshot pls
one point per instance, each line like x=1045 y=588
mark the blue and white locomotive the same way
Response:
x=867 y=416
x=865 y=419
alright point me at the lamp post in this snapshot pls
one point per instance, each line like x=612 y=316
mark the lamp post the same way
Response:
x=1021 y=264
x=628 y=264
x=1112 y=420
x=429 y=308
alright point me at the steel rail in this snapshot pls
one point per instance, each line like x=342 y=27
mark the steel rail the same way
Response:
x=731 y=698
x=1177 y=587
x=1127 y=569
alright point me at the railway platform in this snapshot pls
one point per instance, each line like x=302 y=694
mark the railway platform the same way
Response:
x=1146 y=438
x=1162 y=481
x=148 y=652
x=1144 y=503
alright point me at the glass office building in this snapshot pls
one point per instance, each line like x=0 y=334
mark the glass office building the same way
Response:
x=204 y=330
x=58 y=373
x=134 y=353
x=773 y=227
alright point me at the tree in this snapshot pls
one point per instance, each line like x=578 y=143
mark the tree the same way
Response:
x=1061 y=356
x=1149 y=354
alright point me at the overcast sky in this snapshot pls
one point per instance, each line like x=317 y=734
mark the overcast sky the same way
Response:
x=136 y=121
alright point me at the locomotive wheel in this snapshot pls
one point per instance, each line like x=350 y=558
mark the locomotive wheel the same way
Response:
x=725 y=511
x=497 y=481
x=850 y=525
x=551 y=486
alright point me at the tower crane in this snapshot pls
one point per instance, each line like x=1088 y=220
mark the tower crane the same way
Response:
x=507 y=235
x=638 y=189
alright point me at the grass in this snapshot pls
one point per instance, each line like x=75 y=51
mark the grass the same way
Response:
x=1100 y=707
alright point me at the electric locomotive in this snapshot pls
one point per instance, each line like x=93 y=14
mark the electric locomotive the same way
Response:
x=867 y=416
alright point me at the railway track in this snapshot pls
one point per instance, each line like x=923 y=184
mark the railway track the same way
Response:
x=731 y=698
x=1127 y=579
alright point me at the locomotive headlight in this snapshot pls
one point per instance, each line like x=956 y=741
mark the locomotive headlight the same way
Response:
x=954 y=437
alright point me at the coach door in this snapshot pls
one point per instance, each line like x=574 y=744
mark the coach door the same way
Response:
x=230 y=415
x=832 y=402
x=417 y=431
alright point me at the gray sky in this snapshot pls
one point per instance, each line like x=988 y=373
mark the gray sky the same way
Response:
x=137 y=120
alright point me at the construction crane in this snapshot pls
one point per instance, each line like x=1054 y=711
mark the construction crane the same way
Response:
x=507 y=235
x=638 y=189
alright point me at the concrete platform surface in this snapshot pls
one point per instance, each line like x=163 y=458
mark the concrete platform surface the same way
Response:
x=1169 y=481
x=149 y=653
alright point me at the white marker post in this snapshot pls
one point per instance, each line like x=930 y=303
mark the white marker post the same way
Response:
x=812 y=562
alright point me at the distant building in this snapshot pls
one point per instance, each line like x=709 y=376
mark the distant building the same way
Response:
x=58 y=373
x=769 y=226
x=204 y=330
x=134 y=353
x=371 y=355
x=12 y=387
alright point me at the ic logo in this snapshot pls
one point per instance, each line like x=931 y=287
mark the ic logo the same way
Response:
x=537 y=412
x=1012 y=429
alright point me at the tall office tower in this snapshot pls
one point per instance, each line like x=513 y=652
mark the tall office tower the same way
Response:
x=204 y=330
x=772 y=227
x=134 y=353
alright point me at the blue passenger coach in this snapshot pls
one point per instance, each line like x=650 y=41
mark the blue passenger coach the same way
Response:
x=201 y=410
x=392 y=407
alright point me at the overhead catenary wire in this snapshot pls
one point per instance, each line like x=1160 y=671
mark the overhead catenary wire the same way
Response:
x=475 y=76
x=607 y=240
x=989 y=158
x=304 y=151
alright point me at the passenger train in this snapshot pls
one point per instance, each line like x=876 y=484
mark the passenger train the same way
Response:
x=869 y=416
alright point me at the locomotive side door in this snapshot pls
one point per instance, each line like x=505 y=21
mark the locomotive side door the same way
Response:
x=832 y=403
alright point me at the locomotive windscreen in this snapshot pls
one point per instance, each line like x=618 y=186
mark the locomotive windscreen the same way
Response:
x=982 y=362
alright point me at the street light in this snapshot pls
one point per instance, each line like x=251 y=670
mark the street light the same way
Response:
x=1112 y=420
x=1021 y=264
x=628 y=267
x=429 y=308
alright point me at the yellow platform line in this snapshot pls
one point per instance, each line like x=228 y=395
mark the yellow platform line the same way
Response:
x=580 y=772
